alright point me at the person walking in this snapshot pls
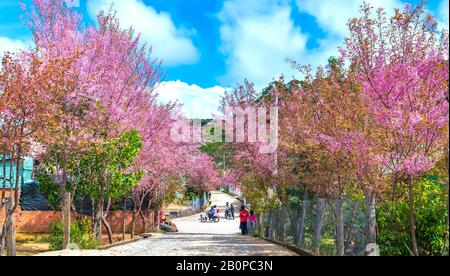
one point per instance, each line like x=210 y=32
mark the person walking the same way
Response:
x=227 y=210
x=232 y=210
x=251 y=223
x=243 y=215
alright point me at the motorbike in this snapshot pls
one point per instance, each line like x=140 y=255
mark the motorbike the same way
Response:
x=207 y=217
x=229 y=215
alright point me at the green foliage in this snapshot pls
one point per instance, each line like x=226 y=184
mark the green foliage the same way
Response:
x=103 y=170
x=222 y=153
x=294 y=197
x=190 y=194
x=431 y=213
x=80 y=234
x=259 y=194
x=99 y=171
x=49 y=187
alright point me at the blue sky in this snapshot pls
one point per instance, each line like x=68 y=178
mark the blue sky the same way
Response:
x=208 y=46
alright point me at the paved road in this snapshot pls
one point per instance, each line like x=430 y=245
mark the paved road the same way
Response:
x=197 y=239
x=192 y=224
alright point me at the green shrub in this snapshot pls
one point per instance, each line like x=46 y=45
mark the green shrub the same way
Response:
x=431 y=213
x=81 y=235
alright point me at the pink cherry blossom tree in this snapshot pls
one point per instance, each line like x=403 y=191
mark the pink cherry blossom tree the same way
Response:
x=402 y=63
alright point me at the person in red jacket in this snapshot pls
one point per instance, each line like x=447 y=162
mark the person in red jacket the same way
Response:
x=243 y=215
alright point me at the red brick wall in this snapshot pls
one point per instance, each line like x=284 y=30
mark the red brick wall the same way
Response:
x=40 y=221
x=35 y=221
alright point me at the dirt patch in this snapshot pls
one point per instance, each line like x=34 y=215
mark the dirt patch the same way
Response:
x=31 y=244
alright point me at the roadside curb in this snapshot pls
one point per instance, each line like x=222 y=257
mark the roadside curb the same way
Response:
x=141 y=237
x=294 y=248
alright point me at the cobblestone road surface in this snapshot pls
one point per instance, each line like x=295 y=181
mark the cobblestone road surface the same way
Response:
x=195 y=239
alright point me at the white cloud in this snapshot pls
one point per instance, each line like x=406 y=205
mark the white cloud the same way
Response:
x=443 y=13
x=332 y=15
x=169 y=42
x=11 y=45
x=197 y=102
x=257 y=36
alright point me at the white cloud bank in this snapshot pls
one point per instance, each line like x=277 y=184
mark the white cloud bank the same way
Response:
x=197 y=102
x=11 y=45
x=169 y=42
x=443 y=13
x=257 y=36
x=332 y=15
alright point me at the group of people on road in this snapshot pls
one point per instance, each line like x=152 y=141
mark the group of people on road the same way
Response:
x=229 y=211
x=247 y=218
x=248 y=221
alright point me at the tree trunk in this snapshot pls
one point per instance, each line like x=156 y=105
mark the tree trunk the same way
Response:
x=272 y=224
x=295 y=224
x=66 y=205
x=318 y=225
x=156 y=217
x=66 y=220
x=282 y=224
x=133 y=219
x=339 y=227
x=145 y=214
x=108 y=229
x=124 y=229
x=350 y=240
x=10 y=230
x=276 y=219
x=144 y=221
x=3 y=234
x=302 y=221
x=2 y=240
x=412 y=220
x=266 y=227
x=97 y=220
x=11 y=205
x=371 y=220
x=106 y=222
x=133 y=225
x=137 y=208
x=259 y=219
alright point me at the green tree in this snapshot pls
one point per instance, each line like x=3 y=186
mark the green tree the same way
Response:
x=107 y=175
x=431 y=214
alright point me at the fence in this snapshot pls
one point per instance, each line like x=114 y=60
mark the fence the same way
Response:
x=196 y=204
x=312 y=227
x=186 y=208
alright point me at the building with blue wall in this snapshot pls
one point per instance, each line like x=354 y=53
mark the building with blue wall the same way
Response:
x=26 y=171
